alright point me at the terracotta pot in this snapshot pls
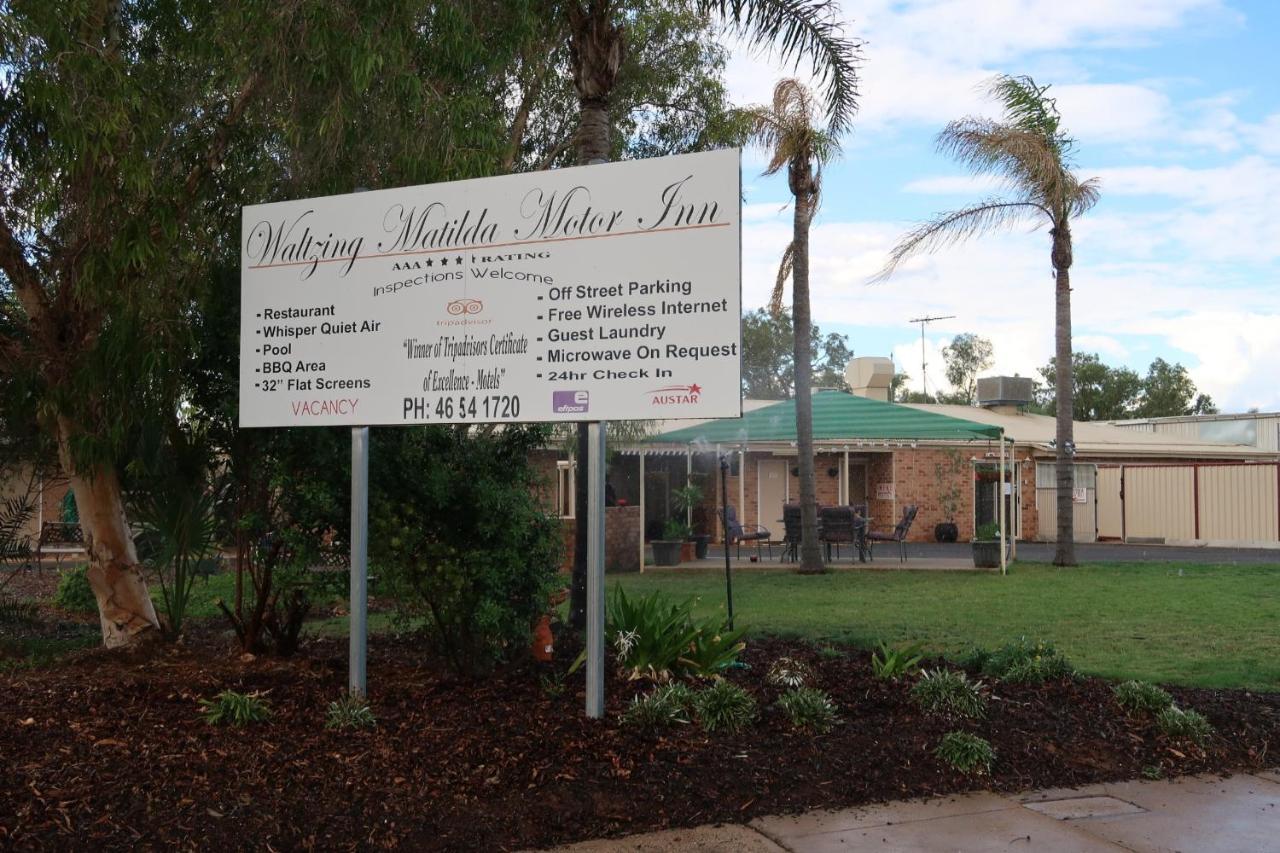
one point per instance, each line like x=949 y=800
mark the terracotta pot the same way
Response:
x=543 y=642
x=688 y=551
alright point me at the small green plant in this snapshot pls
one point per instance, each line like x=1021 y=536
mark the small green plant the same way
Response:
x=74 y=593
x=829 y=653
x=809 y=709
x=1174 y=722
x=724 y=706
x=656 y=638
x=662 y=707
x=892 y=664
x=676 y=531
x=686 y=497
x=352 y=711
x=1153 y=772
x=949 y=692
x=713 y=649
x=989 y=532
x=1022 y=662
x=17 y=611
x=789 y=672
x=235 y=709
x=966 y=752
x=1139 y=697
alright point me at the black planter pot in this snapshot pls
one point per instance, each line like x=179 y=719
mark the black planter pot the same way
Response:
x=700 y=543
x=986 y=555
x=666 y=553
x=946 y=532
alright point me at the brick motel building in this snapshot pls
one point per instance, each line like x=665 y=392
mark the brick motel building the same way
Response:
x=943 y=459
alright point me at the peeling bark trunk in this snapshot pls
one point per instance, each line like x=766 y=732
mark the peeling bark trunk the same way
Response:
x=1065 y=553
x=810 y=549
x=124 y=605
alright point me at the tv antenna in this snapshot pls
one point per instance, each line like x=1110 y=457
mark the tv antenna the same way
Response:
x=924 y=375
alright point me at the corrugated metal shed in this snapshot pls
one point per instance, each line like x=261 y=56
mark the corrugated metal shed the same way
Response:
x=1100 y=440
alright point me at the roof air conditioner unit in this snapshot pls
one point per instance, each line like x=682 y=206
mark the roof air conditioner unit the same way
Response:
x=1005 y=390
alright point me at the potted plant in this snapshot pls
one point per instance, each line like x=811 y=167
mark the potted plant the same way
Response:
x=670 y=549
x=946 y=476
x=986 y=546
x=689 y=499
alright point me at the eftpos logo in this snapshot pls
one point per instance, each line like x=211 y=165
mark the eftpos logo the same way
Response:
x=569 y=402
x=675 y=395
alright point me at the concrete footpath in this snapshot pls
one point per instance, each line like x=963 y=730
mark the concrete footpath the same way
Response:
x=1190 y=815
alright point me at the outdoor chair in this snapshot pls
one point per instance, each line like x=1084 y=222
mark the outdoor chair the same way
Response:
x=842 y=525
x=59 y=539
x=738 y=534
x=791 y=533
x=898 y=534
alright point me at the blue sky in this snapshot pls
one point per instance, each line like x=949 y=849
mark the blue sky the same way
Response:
x=1174 y=107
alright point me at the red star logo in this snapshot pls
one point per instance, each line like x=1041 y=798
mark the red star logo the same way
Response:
x=695 y=389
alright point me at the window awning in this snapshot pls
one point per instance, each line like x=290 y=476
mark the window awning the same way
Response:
x=837 y=415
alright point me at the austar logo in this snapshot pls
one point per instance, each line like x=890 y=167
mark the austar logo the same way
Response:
x=675 y=395
x=464 y=306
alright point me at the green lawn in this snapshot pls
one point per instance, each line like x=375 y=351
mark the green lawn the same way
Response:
x=1203 y=625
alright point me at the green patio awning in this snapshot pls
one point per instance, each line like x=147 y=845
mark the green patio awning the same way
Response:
x=837 y=416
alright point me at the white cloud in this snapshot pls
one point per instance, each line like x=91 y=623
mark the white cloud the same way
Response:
x=1179 y=258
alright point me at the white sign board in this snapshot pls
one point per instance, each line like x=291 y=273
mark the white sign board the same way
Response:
x=598 y=293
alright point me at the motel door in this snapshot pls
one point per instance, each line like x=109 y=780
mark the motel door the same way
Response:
x=772 y=474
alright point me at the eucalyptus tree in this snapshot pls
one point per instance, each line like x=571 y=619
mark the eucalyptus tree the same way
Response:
x=790 y=131
x=1027 y=149
x=599 y=43
x=131 y=131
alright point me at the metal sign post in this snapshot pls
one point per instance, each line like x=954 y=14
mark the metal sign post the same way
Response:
x=359 y=559
x=595 y=569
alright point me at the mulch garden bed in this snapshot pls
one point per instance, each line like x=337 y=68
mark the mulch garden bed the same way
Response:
x=108 y=749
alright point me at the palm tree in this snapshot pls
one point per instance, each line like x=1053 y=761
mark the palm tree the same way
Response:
x=1028 y=149
x=597 y=47
x=787 y=129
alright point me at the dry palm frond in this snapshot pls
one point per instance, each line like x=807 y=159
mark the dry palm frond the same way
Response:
x=957 y=225
x=784 y=273
x=1021 y=158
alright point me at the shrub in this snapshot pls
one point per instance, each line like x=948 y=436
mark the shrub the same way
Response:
x=74 y=593
x=17 y=611
x=1174 y=722
x=809 y=709
x=664 y=706
x=724 y=706
x=351 y=711
x=892 y=664
x=966 y=753
x=713 y=649
x=655 y=637
x=458 y=534
x=789 y=672
x=946 y=691
x=1139 y=697
x=989 y=532
x=830 y=653
x=1023 y=662
x=235 y=709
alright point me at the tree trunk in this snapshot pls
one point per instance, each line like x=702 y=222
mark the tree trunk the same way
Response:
x=1065 y=554
x=124 y=605
x=595 y=53
x=810 y=549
